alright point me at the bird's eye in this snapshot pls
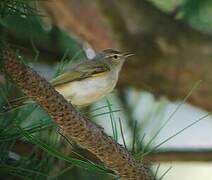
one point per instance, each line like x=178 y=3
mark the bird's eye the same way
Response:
x=115 y=57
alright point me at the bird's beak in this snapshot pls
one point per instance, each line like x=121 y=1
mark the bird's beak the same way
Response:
x=126 y=55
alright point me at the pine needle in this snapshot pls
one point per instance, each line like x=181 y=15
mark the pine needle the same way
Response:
x=122 y=133
x=177 y=133
x=197 y=84
x=162 y=176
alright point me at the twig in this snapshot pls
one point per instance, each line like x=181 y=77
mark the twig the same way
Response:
x=180 y=155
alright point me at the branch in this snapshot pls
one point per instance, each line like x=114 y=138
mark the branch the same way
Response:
x=80 y=19
x=182 y=155
x=77 y=127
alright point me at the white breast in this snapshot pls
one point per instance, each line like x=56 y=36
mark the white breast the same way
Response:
x=87 y=91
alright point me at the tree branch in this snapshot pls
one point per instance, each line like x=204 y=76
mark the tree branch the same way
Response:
x=182 y=155
x=77 y=127
x=80 y=19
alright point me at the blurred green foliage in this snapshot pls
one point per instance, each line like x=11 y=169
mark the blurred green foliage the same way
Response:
x=197 y=13
x=23 y=26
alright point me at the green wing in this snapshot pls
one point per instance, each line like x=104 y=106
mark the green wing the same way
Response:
x=80 y=71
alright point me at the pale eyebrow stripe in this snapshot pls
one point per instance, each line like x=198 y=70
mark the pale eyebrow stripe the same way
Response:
x=112 y=55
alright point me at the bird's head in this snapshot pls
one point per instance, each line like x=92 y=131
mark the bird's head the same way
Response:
x=112 y=56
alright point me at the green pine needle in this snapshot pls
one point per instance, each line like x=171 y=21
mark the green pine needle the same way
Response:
x=194 y=88
x=52 y=151
x=113 y=121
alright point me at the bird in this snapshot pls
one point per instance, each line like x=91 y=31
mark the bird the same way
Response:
x=90 y=80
